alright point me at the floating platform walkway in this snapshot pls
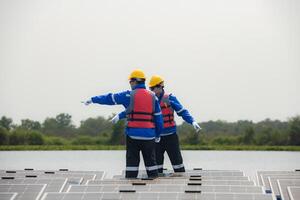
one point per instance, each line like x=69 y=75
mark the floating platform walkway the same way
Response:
x=62 y=184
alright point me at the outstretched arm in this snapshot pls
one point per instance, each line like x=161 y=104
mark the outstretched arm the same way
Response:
x=119 y=116
x=122 y=115
x=182 y=112
x=111 y=99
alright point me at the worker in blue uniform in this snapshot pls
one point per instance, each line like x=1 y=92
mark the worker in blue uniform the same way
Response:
x=169 y=139
x=144 y=123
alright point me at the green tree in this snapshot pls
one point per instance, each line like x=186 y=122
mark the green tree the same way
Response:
x=279 y=138
x=18 y=137
x=226 y=140
x=264 y=137
x=52 y=140
x=193 y=138
x=35 y=138
x=118 y=135
x=84 y=140
x=61 y=125
x=3 y=136
x=294 y=131
x=187 y=134
x=248 y=136
x=6 y=122
x=94 y=126
x=28 y=124
x=50 y=126
x=64 y=120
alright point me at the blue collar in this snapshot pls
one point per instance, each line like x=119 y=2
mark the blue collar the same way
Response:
x=139 y=86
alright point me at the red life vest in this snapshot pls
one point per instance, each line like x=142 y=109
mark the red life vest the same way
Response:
x=167 y=111
x=140 y=112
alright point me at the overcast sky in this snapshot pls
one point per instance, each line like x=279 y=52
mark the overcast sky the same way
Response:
x=229 y=60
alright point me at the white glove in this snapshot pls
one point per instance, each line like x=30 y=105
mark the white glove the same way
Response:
x=196 y=126
x=88 y=102
x=115 y=119
x=157 y=140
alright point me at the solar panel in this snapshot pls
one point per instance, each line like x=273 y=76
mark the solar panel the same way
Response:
x=85 y=176
x=170 y=181
x=99 y=174
x=266 y=183
x=294 y=193
x=7 y=196
x=52 y=185
x=203 y=177
x=158 y=196
x=164 y=188
x=71 y=181
x=274 y=184
x=63 y=184
x=25 y=191
x=211 y=170
x=197 y=170
x=143 y=173
x=259 y=173
x=284 y=184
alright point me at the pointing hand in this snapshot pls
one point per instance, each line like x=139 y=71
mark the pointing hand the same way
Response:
x=196 y=126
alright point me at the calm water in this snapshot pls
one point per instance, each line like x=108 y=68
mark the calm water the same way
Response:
x=114 y=161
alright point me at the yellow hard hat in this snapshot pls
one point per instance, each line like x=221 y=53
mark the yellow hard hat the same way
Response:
x=155 y=80
x=139 y=74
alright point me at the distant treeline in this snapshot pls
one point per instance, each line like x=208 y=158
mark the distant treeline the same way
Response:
x=100 y=131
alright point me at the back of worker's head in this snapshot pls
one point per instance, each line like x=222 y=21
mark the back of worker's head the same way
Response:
x=136 y=77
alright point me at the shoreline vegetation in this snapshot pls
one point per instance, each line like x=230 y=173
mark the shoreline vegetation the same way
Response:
x=122 y=147
x=59 y=133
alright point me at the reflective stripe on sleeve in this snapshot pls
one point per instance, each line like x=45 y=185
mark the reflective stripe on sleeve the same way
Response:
x=159 y=113
x=113 y=99
x=182 y=109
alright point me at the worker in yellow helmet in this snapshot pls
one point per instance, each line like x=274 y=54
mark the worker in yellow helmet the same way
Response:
x=137 y=75
x=169 y=140
x=144 y=123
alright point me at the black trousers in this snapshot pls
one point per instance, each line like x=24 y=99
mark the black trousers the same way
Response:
x=170 y=144
x=133 y=148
